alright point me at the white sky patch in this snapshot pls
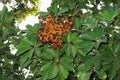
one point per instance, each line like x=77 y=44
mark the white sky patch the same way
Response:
x=29 y=4
x=84 y=10
x=99 y=7
x=89 y=5
x=31 y=20
x=34 y=19
x=13 y=49
x=44 y=5
x=111 y=4
x=1 y=6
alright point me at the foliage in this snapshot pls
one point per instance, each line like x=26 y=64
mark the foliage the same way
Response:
x=90 y=50
x=7 y=37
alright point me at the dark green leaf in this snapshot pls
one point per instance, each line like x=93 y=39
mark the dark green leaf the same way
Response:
x=74 y=50
x=77 y=23
x=67 y=63
x=53 y=71
x=102 y=74
x=63 y=10
x=23 y=46
x=53 y=8
x=82 y=74
x=25 y=56
x=90 y=63
x=46 y=66
x=62 y=72
x=112 y=72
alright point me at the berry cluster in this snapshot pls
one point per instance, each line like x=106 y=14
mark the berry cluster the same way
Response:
x=54 y=29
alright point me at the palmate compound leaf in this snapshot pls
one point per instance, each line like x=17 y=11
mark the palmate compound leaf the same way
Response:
x=92 y=38
x=77 y=23
x=24 y=45
x=48 y=54
x=49 y=70
x=71 y=51
x=62 y=10
x=85 y=47
x=102 y=74
x=6 y=17
x=109 y=15
x=26 y=56
x=89 y=64
x=82 y=73
x=112 y=72
x=93 y=34
x=53 y=8
x=54 y=72
x=63 y=73
x=71 y=37
x=71 y=43
x=3 y=12
x=65 y=65
x=57 y=68
x=116 y=48
x=67 y=62
x=32 y=32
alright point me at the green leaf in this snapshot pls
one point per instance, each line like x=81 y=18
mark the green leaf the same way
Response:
x=77 y=23
x=63 y=10
x=90 y=22
x=74 y=50
x=24 y=45
x=33 y=66
x=109 y=15
x=68 y=49
x=98 y=64
x=49 y=71
x=3 y=12
x=102 y=74
x=71 y=4
x=54 y=71
x=90 y=63
x=67 y=63
x=32 y=32
x=81 y=52
x=117 y=63
x=6 y=18
x=93 y=34
x=43 y=14
x=112 y=72
x=71 y=50
x=53 y=8
x=29 y=28
x=62 y=72
x=86 y=46
x=116 y=48
x=45 y=66
x=88 y=35
x=37 y=52
x=68 y=37
x=25 y=56
x=26 y=64
x=82 y=74
x=48 y=54
x=98 y=33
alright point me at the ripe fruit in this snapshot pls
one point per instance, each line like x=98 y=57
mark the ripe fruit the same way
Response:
x=54 y=29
